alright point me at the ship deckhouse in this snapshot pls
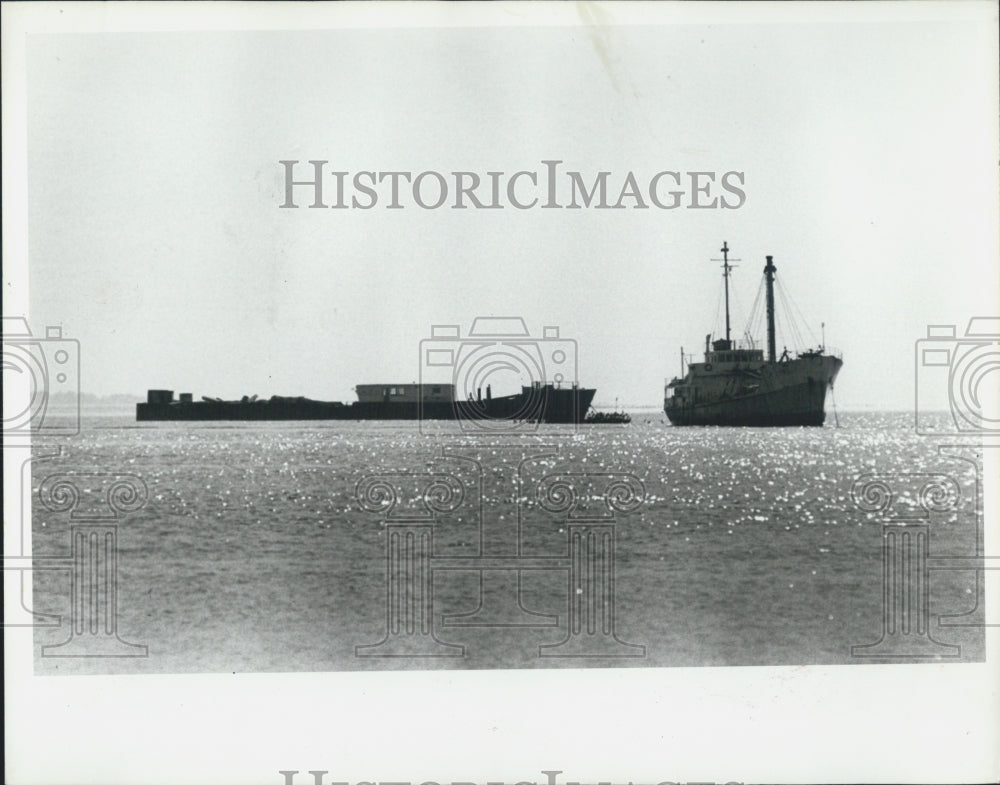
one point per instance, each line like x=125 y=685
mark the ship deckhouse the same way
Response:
x=726 y=353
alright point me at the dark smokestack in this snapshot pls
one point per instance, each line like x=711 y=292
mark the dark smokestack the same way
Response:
x=769 y=271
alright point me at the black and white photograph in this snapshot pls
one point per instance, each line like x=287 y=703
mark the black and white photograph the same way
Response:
x=520 y=392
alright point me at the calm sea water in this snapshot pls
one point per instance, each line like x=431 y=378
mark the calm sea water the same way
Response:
x=253 y=552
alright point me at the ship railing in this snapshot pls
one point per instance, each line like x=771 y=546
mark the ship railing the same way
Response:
x=830 y=351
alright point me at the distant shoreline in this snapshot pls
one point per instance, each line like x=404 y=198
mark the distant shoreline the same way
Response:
x=124 y=403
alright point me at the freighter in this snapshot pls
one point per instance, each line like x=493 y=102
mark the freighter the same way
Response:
x=737 y=385
x=540 y=403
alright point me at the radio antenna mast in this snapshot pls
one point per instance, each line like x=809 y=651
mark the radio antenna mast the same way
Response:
x=726 y=267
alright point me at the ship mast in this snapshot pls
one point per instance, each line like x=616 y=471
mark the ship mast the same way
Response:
x=725 y=276
x=726 y=267
x=769 y=271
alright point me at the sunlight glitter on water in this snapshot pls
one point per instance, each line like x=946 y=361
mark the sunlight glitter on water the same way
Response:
x=254 y=553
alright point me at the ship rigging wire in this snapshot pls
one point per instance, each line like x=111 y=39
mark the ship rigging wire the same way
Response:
x=718 y=309
x=788 y=318
x=719 y=326
x=796 y=313
x=755 y=322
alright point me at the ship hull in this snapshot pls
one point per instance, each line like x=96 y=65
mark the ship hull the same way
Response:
x=783 y=394
x=546 y=405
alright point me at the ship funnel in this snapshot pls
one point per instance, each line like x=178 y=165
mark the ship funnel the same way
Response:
x=769 y=271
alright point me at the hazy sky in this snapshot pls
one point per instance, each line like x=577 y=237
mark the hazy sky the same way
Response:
x=156 y=239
